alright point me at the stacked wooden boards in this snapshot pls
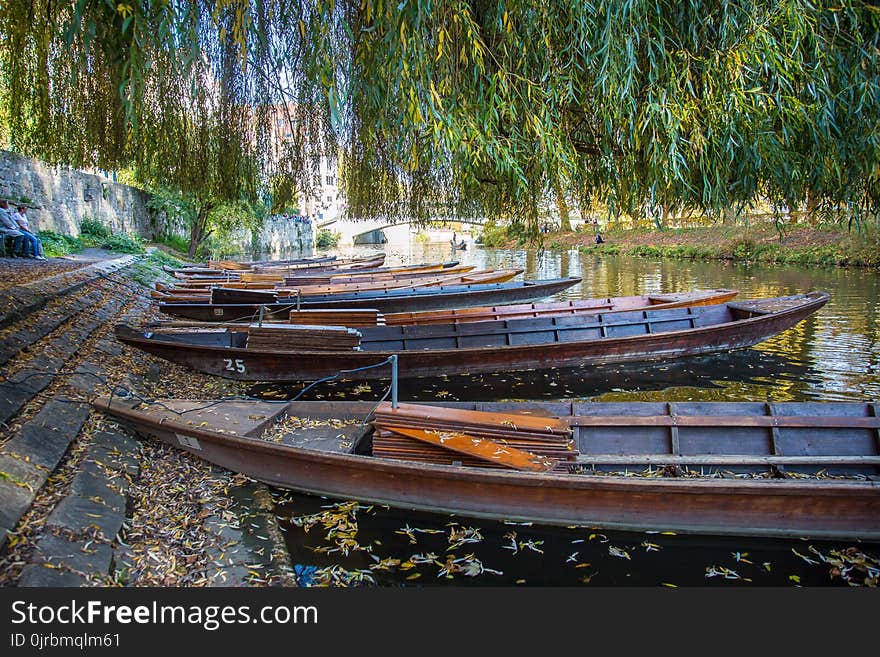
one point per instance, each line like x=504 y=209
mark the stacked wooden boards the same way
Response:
x=354 y=317
x=287 y=337
x=441 y=435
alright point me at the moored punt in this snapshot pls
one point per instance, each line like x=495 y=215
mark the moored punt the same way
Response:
x=224 y=268
x=212 y=266
x=350 y=264
x=319 y=274
x=799 y=469
x=519 y=344
x=436 y=278
x=397 y=300
x=363 y=317
x=562 y=308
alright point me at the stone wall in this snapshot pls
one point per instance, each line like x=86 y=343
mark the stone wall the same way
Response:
x=284 y=235
x=59 y=197
x=281 y=236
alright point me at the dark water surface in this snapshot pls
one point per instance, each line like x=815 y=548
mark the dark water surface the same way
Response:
x=832 y=356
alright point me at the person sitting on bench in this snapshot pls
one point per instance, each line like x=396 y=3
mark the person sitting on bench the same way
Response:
x=9 y=228
x=23 y=225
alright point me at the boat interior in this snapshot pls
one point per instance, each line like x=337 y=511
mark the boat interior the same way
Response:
x=781 y=440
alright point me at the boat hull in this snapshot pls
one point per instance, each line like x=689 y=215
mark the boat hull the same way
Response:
x=264 y=365
x=786 y=508
x=439 y=298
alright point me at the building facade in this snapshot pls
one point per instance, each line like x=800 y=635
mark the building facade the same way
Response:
x=322 y=202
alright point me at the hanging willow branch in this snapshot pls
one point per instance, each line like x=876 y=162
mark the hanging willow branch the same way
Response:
x=443 y=107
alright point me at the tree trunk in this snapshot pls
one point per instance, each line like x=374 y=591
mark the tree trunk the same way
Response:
x=658 y=215
x=728 y=217
x=198 y=232
x=813 y=201
x=562 y=207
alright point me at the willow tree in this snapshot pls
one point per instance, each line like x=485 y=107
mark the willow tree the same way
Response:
x=476 y=107
x=161 y=89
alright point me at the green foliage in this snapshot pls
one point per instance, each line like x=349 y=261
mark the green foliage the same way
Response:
x=162 y=258
x=603 y=249
x=147 y=270
x=93 y=231
x=500 y=235
x=177 y=210
x=326 y=238
x=55 y=245
x=123 y=243
x=482 y=108
x=176 y=242
x=494 y=235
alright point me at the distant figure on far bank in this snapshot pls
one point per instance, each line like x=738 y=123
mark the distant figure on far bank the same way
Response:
x=599 y=239
x=457 y=245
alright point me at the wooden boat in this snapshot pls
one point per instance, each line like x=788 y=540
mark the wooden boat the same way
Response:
x=233 y=267
x=396 y=300
x=347 y=264
x=561 y=308
x=436 y=278
x=203 y=267
x=754 y=469
x=507 y=345
x=319 y=275
x=363 y=317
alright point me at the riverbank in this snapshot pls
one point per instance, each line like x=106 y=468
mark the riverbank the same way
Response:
x=82 y=501
x=799 y=244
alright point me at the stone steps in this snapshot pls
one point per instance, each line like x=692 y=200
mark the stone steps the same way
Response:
x=77 y=517
x=19 y=301
x=42 y=368
x=31 y=331
x=49 y=341
x=77 y=542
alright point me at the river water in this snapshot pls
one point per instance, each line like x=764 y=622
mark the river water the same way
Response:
x=832 y=356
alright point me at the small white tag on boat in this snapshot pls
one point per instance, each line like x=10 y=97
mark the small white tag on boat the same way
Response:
x=188 y=441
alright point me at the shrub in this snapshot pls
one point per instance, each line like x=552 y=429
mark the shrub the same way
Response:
x=327 y=238
x=55 y=245
x=176 y=242
x=92 y=230
x=493 y=235
x=123 y=243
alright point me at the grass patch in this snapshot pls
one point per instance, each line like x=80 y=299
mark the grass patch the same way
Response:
x=95 y=234
x=147 y=270
x=175 y=242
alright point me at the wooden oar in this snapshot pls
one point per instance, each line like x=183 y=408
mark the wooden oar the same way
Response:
x=485 y=450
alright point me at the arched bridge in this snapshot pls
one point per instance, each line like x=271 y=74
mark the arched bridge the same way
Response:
x=352 y=229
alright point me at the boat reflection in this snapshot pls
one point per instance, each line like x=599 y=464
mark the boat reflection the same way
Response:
x=746 y=375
